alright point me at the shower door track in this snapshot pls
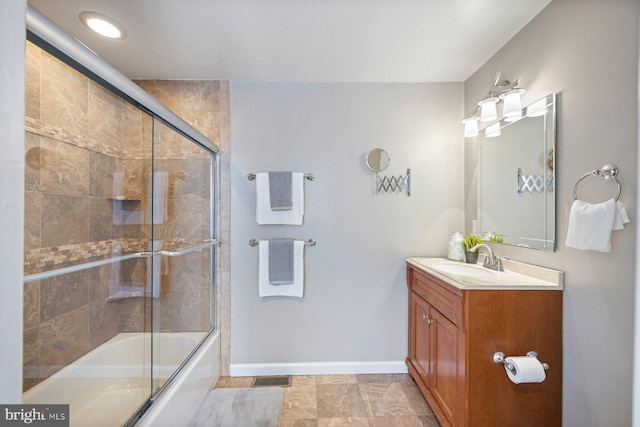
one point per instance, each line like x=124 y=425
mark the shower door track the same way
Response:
x=93 y=264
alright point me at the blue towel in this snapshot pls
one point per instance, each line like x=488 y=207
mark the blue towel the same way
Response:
x=281 y=261
x=280 y=193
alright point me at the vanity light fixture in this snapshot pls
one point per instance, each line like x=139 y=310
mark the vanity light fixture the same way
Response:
x=471 y=126
x=499 y=91
x=512 y=103
x=103 y=25
x=488 y=110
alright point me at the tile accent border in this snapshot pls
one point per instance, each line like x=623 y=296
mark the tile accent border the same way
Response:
x=50 y=257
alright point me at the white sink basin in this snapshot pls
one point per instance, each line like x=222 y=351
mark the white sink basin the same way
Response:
x=517 y=275
x=469 y=270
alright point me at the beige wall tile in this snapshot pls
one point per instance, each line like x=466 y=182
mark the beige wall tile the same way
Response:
x=32 y=162
x=32 y=77
x=63 y=98
x=64 y=168
x=104 y=119
x=101 y=170
x=32 y=211
x=199 y=97
x=62 y=294
x=63 y=340
x=65 y=219
x=165 y=91
x=31 y=308
x=31 y=357
x=225 y=96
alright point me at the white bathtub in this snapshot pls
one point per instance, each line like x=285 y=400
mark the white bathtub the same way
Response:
x=107 y=385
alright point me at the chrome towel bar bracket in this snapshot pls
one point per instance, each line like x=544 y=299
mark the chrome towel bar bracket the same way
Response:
x=310 y=242
x=608 y=172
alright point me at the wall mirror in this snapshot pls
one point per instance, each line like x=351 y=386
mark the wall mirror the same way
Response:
x=516 y=179
x=377 y=160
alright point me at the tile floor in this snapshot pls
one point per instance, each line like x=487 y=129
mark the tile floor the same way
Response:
x=390 y=400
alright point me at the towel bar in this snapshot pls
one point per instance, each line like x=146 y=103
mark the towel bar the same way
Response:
x=308 y=176
x=310 y=242
x=608 y=172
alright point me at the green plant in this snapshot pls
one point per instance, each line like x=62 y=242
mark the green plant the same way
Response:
x=470 y=241
x=496 y=238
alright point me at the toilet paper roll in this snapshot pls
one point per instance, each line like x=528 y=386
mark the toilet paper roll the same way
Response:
x=527 y=369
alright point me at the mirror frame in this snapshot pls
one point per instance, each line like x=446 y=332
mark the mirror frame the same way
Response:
x=369 y=160
x=548 y=241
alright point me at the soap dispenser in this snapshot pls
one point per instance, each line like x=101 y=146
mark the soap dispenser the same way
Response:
x=456 y=250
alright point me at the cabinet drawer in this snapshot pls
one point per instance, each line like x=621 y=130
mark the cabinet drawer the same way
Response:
x=438 y=295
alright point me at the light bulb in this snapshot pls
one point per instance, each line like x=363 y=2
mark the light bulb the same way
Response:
x=512 y=103
x=488 y=113
x=470 y=126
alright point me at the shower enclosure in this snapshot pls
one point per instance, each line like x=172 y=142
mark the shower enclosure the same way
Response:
x=120 y=237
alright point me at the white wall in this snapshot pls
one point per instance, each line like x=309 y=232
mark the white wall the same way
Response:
x=587 y=51
x=355 y=303
x=12 y=69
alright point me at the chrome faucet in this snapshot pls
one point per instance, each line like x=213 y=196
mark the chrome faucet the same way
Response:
x=490 y=260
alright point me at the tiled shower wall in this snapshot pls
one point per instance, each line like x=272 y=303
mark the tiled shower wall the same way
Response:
x=205 y=105
x=78 y=135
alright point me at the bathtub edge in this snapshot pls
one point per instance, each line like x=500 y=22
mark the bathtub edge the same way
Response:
x=179 y=402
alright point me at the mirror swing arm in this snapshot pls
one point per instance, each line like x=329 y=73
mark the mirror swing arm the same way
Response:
x=392 y=184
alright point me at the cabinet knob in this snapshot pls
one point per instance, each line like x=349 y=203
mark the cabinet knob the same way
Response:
x=425 y=317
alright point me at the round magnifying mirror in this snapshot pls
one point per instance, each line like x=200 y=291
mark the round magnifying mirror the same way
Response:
x=377 y=160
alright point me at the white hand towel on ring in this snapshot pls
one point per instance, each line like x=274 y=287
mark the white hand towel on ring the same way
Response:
x=590 y=225
x=622 y=217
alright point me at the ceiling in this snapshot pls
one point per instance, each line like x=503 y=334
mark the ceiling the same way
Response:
x=299 y=40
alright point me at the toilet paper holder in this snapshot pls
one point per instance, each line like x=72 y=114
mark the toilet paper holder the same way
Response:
x=499 y=359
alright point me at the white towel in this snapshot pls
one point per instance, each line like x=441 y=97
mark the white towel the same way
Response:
x=264 y=214
x=154 y=278
x=590 y=225
x=266 y=289
x=622 y=217
x=118 y=187
x=160 y=195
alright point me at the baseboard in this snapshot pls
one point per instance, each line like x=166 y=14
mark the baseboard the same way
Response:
x=317 y=368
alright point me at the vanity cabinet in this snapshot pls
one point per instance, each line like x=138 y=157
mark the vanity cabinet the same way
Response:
x=453 y=334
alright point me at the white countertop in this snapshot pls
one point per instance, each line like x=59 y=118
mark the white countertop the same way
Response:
x=517 y=275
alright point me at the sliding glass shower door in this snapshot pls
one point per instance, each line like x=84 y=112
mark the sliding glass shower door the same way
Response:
x=87 y=235
x=119 y=246
x=183 y=237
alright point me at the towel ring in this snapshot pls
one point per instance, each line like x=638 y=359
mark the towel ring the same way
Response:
x=608 y=172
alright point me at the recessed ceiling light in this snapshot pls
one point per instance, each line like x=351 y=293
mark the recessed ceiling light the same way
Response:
x=103 y=25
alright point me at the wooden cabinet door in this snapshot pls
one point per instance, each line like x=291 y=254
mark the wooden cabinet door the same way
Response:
x=421 y=339
x=444 y=363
